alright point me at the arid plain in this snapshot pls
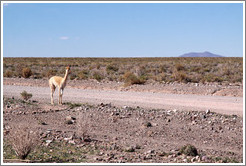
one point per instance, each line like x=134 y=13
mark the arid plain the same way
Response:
x=133 y=110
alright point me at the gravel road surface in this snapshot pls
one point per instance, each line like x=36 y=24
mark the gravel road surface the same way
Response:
x=220 y=104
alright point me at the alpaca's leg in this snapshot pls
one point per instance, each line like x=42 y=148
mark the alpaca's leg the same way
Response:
x=59 y=100
x=59 y=91
x=61 y=95
x=52 y=88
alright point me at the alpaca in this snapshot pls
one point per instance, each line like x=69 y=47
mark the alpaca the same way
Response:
x=59 y=82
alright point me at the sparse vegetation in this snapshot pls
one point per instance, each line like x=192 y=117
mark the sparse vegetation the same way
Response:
x=8 y=73
x=26 y=72
x=113 y=69
x=72 y=105
x=83 y=125
x=26 y=96
x=83 y=74
x=97 y=76
x=23 y=141
x=130 y=79
x=189 y=150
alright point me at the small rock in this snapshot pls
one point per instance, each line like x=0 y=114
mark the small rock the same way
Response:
x=43 y=123
x=98 y=159
x=130 y=149
x=148 y=124
x=193 y=160
x=204 y=158
x=207 y=111
x=150 y=151
x=70 y=118
x=69 y=138
x=71 y=142
x=101 y=154
x=137 y=146
x=203 y=116
x=193 y=122
x=48 y=142
x=154 y=124
x=69 y=122
x=125 y=107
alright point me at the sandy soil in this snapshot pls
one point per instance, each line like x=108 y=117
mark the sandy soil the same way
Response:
x=96 y=93
x=221 y=104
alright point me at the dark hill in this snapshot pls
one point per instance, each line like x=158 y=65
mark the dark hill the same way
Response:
x=202 y=54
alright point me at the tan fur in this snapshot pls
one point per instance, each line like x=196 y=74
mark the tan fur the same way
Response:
x=57 y=81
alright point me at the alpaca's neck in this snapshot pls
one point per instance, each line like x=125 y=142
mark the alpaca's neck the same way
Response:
x=65 y=77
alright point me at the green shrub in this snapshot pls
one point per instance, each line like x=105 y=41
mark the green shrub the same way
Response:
x=164 y=68
x=26 y=72
x=130 y=79
x=26 y=95
x=160 y=77
x=97 y=76
x=8 y=73
x=83 y=74
x=189 y=150
x=180 y=76
x=179 y=67
x=111 y=68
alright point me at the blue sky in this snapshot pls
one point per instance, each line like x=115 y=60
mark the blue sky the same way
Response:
x=121 y=30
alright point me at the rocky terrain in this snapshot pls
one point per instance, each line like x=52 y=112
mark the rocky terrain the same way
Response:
x=104 y=133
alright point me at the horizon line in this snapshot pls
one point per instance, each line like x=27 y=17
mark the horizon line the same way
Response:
x=125 y=57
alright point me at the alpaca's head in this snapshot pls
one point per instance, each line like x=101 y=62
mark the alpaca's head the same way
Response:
x=68 y=68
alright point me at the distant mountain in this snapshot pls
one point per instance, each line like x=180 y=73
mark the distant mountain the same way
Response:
x=201 y=54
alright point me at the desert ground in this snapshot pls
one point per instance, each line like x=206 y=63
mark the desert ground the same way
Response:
x=124 y=110
x=107 y=122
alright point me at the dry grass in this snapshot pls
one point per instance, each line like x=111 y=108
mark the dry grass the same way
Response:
x=25 y=95
x=130 y=79
x=84 y=122
x=26 y=72
x=113 y=69
x=23 y=140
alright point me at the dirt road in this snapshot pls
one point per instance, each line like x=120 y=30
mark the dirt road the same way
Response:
x=220 y=104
